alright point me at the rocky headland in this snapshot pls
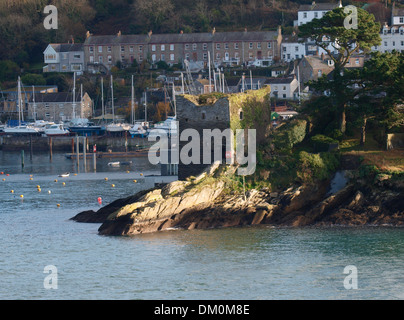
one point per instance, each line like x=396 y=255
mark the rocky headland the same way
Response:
x=207 y=202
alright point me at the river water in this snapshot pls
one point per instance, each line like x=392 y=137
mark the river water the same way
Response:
x=237 y=263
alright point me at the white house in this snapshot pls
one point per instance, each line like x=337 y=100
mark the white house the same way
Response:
x=397 y=16
x=308 y=12
x=392 y=39
x=291 y=49
x=284 y=88
x=68 y=57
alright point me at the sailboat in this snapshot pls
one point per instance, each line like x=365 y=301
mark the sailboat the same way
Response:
x=82 y=126
x=138 y=128
x=115 y=127
x=21 y=128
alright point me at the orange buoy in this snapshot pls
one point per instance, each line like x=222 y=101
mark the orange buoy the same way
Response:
x=99 y=200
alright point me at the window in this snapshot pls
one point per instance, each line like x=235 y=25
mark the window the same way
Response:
x=194 y=46
x=288 y=56
x=109 y=59
x=91 y=49
x=187 y=46
x=250 y=45
x=269 y=45
x=203 y=115
x=140 y=48
x=46 y=106
x=284 y=49
x=357 y=61
x=64 y=67
x=315 y=14
x=91 y=59
x=218 y=46
x=163 y=57
x=153 y=57
x=163 y=47
x=236 y=46
x=109 y=49
x=284 y=88
x=99 y=49
x=319 y=73
x=51 y=56
x=205 y=56
x=236 y=55
x=250 y=55
x=402 y=43
x=296 y=48
x=172 y=57
x=187 y=56
x=385 y=43
x=401 y=19
x=140 y=57
x=47 y=114
x=304 y=14
x=394 y=43
x=153 y=47
x=76 y=67
x=218 y=55
x=259 y=45
x=171 y=47
x=205 y=46
x=131 y=49
x=226 y=46
x=122 y=49
x=241 y=115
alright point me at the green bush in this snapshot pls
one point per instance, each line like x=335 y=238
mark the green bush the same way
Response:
x=289 y=135
x=316 y=166
x=321 y=143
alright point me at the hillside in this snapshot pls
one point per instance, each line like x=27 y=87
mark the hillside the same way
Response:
x=23 y=36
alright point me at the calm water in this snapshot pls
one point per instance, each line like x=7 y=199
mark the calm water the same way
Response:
x=236 y=263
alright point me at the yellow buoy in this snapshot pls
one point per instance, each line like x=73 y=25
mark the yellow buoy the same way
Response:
x=64 y=183
x=112 y=185
x=106 y=179
x=21 y=196
x=134 y=181
x=12 y=191
x=141 y=174
x=4 y=179
x=38 y=186
x=75 y=174
x=127 y=171
x=56 y=180
x=58 y=205
x=39 y=190
x=30 y=178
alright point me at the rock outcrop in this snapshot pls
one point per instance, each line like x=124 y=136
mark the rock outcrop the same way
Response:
x=205 y=202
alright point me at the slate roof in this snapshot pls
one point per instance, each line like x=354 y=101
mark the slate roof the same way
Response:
x=67 y=47
x=318 y=6
x=182 y=38
x=59 y=97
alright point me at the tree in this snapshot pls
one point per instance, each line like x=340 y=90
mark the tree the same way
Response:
x=340 y=43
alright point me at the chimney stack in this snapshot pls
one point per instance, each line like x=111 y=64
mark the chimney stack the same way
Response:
x=119 y=33
x=150 y=33
x=214 y=30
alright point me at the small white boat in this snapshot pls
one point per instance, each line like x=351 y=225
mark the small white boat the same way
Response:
x=118 y=127
x=114 y=164
x=64 y=175
x=138 y=130
x=56 y=130
x=22 y=129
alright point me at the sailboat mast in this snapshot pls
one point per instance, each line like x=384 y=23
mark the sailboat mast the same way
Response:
x=34 y=104
x=112 y=100
x=133 y=103
x=74 y=96
x=81 y=102
x=210 y=79
x=20 y=111
x=102 y=97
